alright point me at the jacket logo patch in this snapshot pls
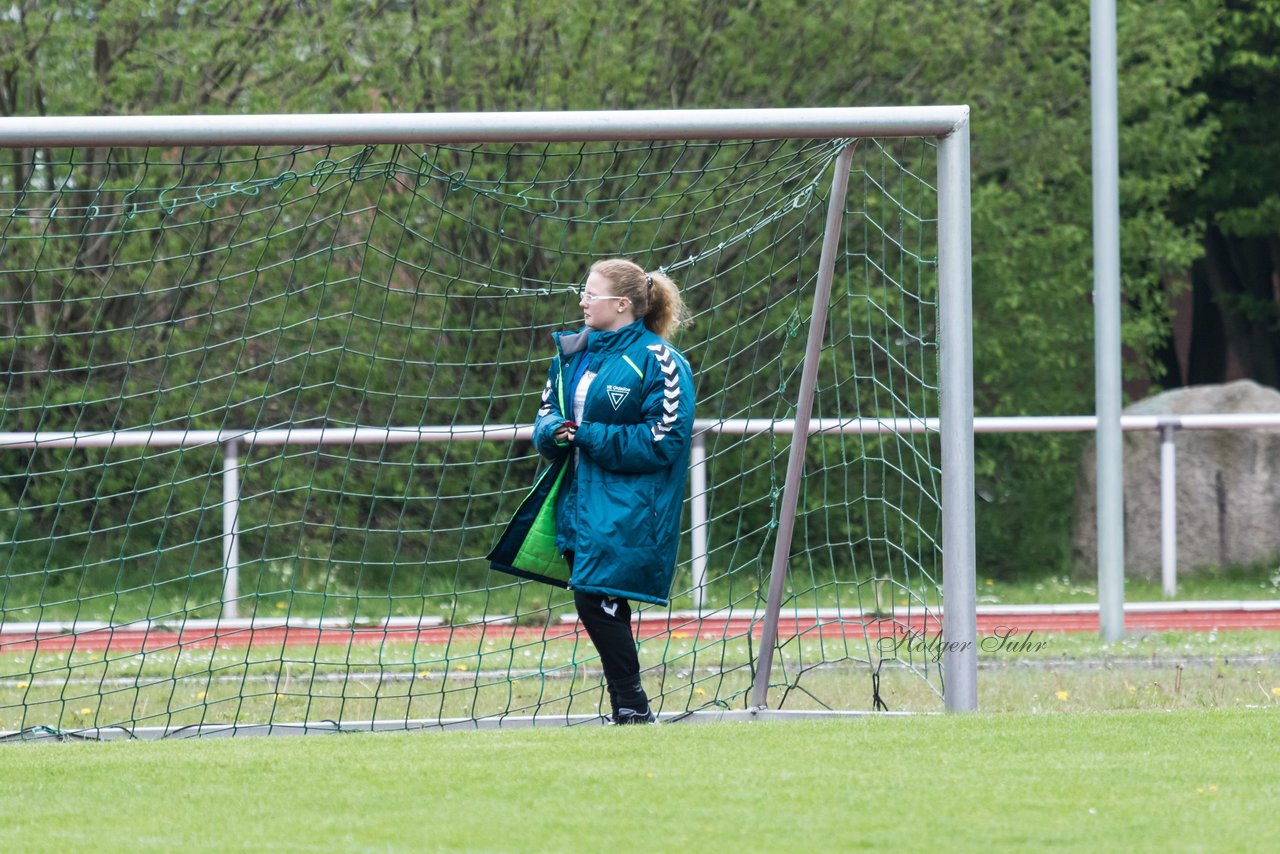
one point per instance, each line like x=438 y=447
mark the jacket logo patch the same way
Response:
x=617 y=394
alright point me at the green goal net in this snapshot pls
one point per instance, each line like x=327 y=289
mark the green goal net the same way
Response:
x=266 y=410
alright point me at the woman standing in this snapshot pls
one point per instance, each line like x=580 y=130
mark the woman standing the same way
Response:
x=627 y=433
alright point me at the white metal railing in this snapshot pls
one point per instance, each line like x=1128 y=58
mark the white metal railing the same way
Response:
x=231 y=442
x=1167 y=425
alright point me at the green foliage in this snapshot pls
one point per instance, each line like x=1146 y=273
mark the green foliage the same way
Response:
x=1241 y=188
x=1032 y=241
x=1023 y=67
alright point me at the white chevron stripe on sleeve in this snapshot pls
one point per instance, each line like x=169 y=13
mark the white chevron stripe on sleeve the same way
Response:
x=670 y=392
x=545 y=409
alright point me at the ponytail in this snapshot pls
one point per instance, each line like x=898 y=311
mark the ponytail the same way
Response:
x=667 y=312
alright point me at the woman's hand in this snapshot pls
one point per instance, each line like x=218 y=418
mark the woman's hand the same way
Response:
x=564 y=433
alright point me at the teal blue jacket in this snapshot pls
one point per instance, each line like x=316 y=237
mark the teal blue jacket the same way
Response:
x=619 y=512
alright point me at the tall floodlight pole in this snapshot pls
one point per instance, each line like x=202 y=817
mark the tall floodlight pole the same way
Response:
x=1106 y=318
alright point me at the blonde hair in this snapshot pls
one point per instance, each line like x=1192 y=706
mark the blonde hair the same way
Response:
x=654 y=295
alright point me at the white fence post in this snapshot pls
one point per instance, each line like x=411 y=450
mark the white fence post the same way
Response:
x=230 y=528
x=1168 y=510
x=698 y=517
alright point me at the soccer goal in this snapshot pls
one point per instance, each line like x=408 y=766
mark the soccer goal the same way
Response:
x=268 y=387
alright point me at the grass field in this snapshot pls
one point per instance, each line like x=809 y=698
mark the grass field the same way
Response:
x=1158 y=742
x=1256 y=581
x=198 y=685
x=1162 y=741
x=1134 y=781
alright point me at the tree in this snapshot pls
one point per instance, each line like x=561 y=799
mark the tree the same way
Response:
x=1235 y=207
x=1023 y=67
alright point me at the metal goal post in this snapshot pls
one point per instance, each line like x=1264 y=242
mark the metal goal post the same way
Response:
x=948 y=125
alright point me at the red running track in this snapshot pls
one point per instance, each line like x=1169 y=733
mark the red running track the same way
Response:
x=1004 y=622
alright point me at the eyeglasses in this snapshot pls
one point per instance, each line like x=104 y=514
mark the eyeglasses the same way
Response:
x=583 y=295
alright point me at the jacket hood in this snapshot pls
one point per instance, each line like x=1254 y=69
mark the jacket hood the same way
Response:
x=597 y=341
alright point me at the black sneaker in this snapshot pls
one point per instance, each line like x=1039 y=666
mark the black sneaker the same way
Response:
x=624 y=717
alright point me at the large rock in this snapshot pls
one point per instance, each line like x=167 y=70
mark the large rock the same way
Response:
x=1228 y=491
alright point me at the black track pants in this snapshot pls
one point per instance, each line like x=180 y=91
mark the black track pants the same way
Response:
x=608 y=624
